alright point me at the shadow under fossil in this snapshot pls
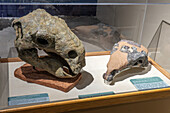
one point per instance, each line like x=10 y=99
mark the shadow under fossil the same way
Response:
x=130 y=72
x=86 y=80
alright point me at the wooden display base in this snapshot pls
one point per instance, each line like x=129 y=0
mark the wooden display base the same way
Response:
x=91 y=104
x=29 y=74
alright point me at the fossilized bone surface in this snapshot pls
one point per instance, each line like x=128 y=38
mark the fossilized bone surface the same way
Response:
x=125 y=54
x=40 y=30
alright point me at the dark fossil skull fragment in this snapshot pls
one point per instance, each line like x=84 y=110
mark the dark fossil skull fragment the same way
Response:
x=125 y=54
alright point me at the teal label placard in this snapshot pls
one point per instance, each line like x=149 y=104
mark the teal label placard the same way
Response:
x=96 y=95
x=149 y=83
x=28 y=99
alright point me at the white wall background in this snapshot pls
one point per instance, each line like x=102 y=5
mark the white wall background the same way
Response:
x=154 y=15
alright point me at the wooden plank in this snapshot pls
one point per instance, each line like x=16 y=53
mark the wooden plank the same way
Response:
x=158 y=67
x=97 y=53
x=5 y=60
x=95 y=102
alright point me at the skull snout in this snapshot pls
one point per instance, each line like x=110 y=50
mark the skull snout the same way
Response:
x=76 y=63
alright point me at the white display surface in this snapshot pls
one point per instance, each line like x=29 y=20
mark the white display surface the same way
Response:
x=91 y=82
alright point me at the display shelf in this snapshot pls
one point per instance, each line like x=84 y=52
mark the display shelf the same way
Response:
x=121 y=96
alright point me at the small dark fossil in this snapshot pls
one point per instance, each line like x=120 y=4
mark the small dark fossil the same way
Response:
x=124 y=55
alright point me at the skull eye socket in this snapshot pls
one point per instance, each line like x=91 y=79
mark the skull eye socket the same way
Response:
x=140 y=61
x=42 y=41
x=72 y=54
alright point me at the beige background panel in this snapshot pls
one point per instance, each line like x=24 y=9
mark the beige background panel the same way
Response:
x=154 y=15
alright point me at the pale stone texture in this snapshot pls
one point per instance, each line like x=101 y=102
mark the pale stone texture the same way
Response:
x=40 y=30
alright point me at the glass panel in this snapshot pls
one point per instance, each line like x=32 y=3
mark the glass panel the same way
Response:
x=4 y=85
x=155 y=34
x=158 y=1
x=125 y=22
x=159 y=46
x=97 y=23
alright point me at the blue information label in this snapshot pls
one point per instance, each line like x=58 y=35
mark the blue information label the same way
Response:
x=149 y=83
x=28 y=99
x=96 y=95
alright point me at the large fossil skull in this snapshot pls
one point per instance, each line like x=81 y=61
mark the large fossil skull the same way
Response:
x=40 y=30
x=125 y=54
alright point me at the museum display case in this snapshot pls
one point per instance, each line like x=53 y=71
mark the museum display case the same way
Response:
x=159 y=45
x=99 y=27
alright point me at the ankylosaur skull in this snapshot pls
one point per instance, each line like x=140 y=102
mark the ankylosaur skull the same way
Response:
x=125 y=54
x=40 y=30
